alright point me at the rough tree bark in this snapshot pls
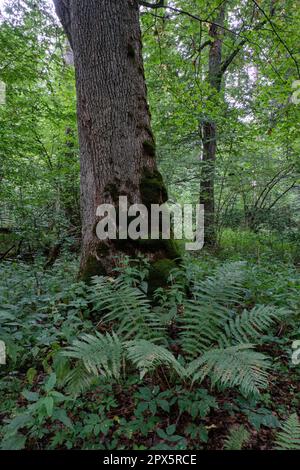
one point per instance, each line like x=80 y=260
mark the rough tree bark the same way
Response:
x=116 y=142
x=209 y=131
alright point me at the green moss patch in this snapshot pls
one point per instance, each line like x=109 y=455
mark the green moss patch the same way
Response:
x=93 y=267
x=149 y=148
x=159 y=274
x=152 y=188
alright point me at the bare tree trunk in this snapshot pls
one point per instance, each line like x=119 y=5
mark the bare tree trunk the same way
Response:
x=116 y=142
x=209 y=131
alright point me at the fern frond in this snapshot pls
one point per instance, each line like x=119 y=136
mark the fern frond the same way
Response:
x=225 y=287
x=235 y=366
x=237 y=438
x=127 y=307
x=79 y=379
x=202 y=323
x=289 y=436
x=100 y=354
x=147 y=356
x=249 y=325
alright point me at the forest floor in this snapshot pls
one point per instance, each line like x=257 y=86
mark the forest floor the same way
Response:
x=43 y=311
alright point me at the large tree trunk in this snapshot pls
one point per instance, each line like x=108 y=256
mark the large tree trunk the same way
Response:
x=209 y=132
x=116 y=142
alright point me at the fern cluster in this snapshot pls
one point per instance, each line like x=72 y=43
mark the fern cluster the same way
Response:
x=211 y=316
x=289 y=436
x=236 y=439
x=215 y=338
x=127 y=308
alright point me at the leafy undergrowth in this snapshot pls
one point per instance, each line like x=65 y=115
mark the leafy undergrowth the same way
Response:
x=207 y=364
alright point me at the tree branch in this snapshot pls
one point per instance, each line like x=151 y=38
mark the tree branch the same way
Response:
x=205 y=44
x=282 y=173
x=282 y=194
x=63 y=12
x=277 y=35
x=158 y=4
x=186 y=13
x=235 y=52
x=232 y=56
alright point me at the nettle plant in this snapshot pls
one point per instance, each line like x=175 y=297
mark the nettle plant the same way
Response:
x=211 y=334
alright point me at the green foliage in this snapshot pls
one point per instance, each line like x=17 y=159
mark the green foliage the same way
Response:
x=262 y=245
x=100 y=354
x=233 y=366
x=289 y=436
x=41 y=407
x=173 y=371
x=197 y=403
x=53 y=339
x=262 y=418
x=237 y=438
x=250 y=325
x=206 y=313
x=150 y=400
x=147 y=356
x=117 y=301
x=211 y=317
x=38 y=144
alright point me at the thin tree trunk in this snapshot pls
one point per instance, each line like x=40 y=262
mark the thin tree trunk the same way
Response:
x=209 y=132
x=116 y=142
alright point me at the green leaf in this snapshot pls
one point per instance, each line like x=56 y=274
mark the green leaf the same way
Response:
x=203 y=434
x=164 y=405
x=49 y=385
x=49 y=404
x=62 y=416
x=171 y=429
x=153 y=407
x=141 y=408
x=30 y=396
x=16 y=442
x=18 y=422
x=161 y=433
x=31 y=374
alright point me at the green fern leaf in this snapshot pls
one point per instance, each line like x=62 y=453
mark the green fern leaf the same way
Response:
x=147 y=356
x=100 y=354
x=79 y=379
x=289 y=436
x=237 y=438
x=250 y=325
x=127 y=308
x=235 y=366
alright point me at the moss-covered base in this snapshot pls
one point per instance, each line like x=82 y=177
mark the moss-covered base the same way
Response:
x=159 y=274
x=169 y=247
x=152 y=188
x=90 y=268
x=149 y=148
x=162 y=254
